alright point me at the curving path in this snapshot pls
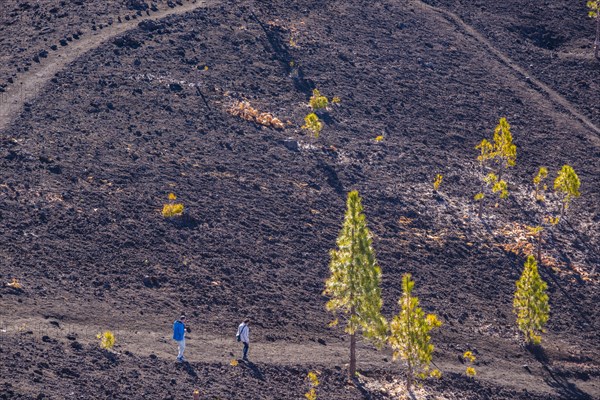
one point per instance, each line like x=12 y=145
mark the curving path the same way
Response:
x=28 y=85
x=551 y=94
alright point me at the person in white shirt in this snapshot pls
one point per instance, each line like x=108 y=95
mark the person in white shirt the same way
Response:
x=243 y=335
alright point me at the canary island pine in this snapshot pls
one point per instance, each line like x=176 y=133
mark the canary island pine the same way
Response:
x=566 y=185
x=530 y=303
x=172 y=209
x=438 y=181
x=107 y=340
x=313 y=382
x=594 y=12
x=313 y=124
x=469 y=358
x=409 y=336
x=354 y=285
x=317 y=101
x=538 y=180
x=494 y=159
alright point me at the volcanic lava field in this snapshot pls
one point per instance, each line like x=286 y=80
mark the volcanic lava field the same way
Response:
x=108 y=106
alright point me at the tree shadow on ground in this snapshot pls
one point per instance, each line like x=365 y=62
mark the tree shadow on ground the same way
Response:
x=554 y=378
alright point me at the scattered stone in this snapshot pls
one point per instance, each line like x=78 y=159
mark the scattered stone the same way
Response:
x=292 y=145
x=75 y=36
x=54 y=47
x=175 y=87
x=321 y=341
x=63 y=42
x=76 y=345
x=43 y=54
x=150 y=26
x=36 y=59
x=126 y=41
x=150 y=282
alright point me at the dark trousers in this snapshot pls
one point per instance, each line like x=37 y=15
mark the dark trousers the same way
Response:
x=246 y=350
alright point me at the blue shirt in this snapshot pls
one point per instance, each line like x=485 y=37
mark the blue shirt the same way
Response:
x=178 y=330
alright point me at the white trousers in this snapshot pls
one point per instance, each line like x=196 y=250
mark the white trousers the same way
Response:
x=181 y=344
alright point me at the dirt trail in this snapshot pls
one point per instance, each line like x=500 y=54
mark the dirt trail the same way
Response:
x=553 y=96
x=29 y=84
x=154 y=338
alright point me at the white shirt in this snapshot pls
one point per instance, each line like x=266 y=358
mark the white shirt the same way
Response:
x=244 y=332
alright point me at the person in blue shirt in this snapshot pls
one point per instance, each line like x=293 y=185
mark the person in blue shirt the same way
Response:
x=179 y=329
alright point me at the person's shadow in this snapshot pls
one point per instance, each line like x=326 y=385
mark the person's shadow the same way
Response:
x=187 y=367
x=253 y=369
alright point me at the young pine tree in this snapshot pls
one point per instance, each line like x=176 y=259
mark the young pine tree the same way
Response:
x=566 y=185
x=594 y=12
x=409 y=335
x=531 y=303
x=494 y=159
x=353 y=286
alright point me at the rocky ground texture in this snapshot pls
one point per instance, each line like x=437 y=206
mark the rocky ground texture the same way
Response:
x=87 y=162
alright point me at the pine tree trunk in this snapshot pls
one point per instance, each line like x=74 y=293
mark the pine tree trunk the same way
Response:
x=352 y=369
x=409 y=378
x=539 y=248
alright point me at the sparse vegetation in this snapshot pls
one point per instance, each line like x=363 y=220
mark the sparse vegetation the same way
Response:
x=531 y=303
x=354 y=284
x=317 y=101
x=14 y=283
x=244 y=110
x=313 y=124
x=107 y=340
x=437 y=182
x=409 y=335
x=494 y=159
x=313 y=382
x=172 y=209
x=469 y=358
x=566 y=185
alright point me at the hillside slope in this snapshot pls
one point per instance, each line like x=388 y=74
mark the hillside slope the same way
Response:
x=87 y=165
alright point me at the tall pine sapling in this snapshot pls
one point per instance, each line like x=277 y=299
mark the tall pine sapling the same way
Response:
x=594 y=12
x=538 y=180
x=530 y=303
x=494 y=159
x=354 y=285
x=409 y=336
x=540 y=190
x=566 y=185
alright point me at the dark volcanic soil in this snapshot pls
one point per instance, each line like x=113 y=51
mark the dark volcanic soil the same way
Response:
x=86 y=167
